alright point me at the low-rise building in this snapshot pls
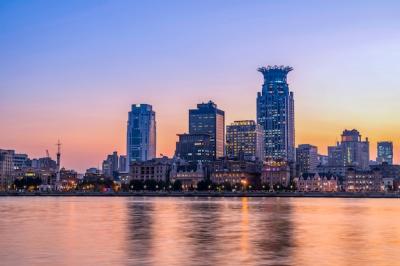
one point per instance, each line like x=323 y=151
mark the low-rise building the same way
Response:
x=189 y=174
x=155 y=169
x=363 y=181
x=332 y=169
x=318 y=182
x=388 y=184
x=275 y=172
x=235 y=172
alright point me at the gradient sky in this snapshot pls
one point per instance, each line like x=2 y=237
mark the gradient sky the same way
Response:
x=71 y=69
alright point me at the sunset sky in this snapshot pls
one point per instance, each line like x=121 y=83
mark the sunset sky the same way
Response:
x=70 y=70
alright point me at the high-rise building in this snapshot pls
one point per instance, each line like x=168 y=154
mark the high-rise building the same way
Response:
x=208 y=119
x=275 y=113
x=141 y=133
x=110 y=165
x=245 y=140
x=335 y=156
x=323 y=159
x=122 y=166
x=351 y=151
x=21 y=161
x=385 y=152
x=307 y=158
x=6 y=167
x=194 y=148
x=355 y=151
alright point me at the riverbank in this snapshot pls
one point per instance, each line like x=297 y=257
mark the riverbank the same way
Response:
x=205 y=194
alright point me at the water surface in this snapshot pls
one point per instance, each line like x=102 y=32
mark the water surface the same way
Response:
x=198 y=231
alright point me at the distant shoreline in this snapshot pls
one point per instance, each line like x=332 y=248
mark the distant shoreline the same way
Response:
x=374 y=195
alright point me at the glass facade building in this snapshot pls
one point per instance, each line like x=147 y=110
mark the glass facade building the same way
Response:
x=194 y=148
x=141 y=133
x=275 y=113
x=385 y=152
x=208 y=119
x=245 y=140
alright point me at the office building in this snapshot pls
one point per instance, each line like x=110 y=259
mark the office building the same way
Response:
x=21 y=161
x=275 y=113
x=385 y=152
x=245 y=140
x=122 y=164
x=335 y=156
x=110 y=165
x=352 y=151
x=323 y=159
x=6 y=167
x=307 y=158
x=141 y=133
x=355 y=151
x=208 y=119
x=194 y=148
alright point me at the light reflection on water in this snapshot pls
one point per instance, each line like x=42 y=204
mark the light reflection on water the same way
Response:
x=203 y=231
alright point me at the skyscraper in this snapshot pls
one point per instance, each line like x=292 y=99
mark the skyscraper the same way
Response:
x=385 y=152
x=208 y=119
x=245 y=139
x=275 y=113
x=141 y=133
x=307 y=158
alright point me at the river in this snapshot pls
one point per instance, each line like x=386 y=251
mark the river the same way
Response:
x=198 y=231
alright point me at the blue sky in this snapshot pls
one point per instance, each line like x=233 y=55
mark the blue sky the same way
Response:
x=70 y=69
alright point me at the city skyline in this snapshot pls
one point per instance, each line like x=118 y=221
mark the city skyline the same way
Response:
x=81 y=95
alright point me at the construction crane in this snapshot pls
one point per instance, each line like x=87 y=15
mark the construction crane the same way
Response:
x=58 y=144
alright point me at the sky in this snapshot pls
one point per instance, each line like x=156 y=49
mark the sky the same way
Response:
x=70 y=70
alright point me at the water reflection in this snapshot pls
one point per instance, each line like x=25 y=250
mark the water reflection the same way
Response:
x=203 y=231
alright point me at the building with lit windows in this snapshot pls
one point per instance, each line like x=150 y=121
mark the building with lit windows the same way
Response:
x=6 y=167
x=194 y=148
x=141 y=133
x=363 y=181
x=350 y=152
x=275 y=113
x=208 y=119
x=245 y=140
x=189 y=174
x=385 y=152
x=235 y=172
x=155 y=169
x=275 y=173
x=307 y=158
x=21 y=161
x=317 y=182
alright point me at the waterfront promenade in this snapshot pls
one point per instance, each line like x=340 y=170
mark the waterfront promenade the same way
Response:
x=208 y=194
